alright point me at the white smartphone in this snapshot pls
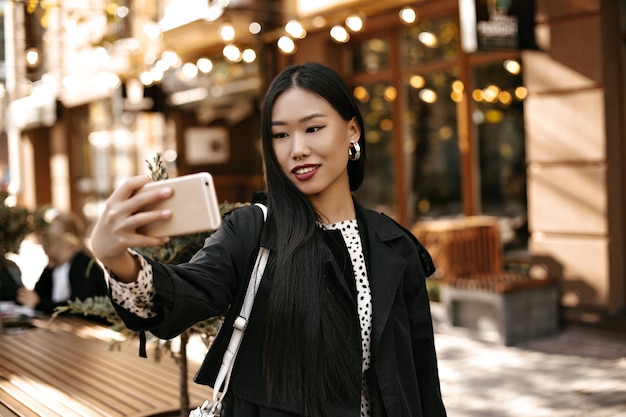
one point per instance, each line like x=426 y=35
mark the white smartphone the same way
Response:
x=194 y=206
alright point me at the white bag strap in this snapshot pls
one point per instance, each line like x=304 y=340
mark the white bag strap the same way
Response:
x=223 y=376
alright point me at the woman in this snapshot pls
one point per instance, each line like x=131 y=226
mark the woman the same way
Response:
x=341 y=324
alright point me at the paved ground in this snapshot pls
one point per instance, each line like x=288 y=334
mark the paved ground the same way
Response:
x=575 y=373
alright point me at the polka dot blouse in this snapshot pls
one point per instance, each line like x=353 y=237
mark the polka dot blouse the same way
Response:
x=350 y=231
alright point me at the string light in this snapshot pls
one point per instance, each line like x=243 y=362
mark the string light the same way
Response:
x=429 y=39
x=521 y=93
x=33 y=57
x=227 y=32
x=427 y=95
x=248 y=55
x=318 y=22
x=232 y=53
x=157 y=74
x=408 y=15
x=254 y=28
x=339 y=34
x=205 y=65
x=146 y=78
x=417 y=81
x=286 y=45
x=355 y=23
x=190 y=70
x=152 y=30
x=170 y=59
x=295 y=29
x=512 y=66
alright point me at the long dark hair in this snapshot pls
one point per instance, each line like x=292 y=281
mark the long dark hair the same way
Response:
x=307 y=329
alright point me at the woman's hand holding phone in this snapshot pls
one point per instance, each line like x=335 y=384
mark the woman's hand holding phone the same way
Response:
x=117 y=227
x=142 y=213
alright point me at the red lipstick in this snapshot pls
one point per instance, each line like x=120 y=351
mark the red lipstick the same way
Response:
x=305 y=172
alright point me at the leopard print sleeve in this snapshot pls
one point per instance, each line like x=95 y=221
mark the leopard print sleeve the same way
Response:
x=137 y=296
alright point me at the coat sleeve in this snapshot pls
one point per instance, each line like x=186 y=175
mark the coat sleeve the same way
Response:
x=205 y=286
x=422 y=334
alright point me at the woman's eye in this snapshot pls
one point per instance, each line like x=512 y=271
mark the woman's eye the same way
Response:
x=279 y=135
x=313 y=129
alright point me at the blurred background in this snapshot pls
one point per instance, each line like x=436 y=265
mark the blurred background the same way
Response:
x=512 y=109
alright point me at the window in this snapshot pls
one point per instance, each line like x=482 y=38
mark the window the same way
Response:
x=376 y=107
x=430 y=65
x=432 y=147
x=376 y=94
x=417 y=93
x=370 y=56
x=429 y=41
x=499 y=119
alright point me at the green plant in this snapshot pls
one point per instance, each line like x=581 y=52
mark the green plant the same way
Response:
x=15 y=224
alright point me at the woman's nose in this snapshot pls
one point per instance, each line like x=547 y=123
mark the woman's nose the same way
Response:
x=299 y=147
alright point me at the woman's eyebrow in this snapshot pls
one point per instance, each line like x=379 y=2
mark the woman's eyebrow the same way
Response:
x=302 y=120
x=311 y=116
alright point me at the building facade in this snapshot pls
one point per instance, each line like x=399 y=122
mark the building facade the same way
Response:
x=509 y=108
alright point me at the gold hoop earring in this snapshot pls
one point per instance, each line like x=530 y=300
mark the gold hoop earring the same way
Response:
x=354 y=151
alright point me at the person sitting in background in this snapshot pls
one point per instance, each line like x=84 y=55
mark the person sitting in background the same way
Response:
x=15 y=225
x=71 y=274
x=10 y=279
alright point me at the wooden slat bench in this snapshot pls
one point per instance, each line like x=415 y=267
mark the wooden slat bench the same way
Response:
x=480 y=296
x=65 y=368
x=468 y=254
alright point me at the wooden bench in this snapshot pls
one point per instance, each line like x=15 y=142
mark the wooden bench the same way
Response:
x=65 y=368
x=479 y=295
x=468 y=254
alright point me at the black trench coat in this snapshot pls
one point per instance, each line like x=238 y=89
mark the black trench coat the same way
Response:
x=403 y=378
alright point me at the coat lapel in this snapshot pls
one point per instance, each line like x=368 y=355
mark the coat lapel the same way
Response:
x=385 y=268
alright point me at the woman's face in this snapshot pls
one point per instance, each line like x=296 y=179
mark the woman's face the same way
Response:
x=311 y=142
